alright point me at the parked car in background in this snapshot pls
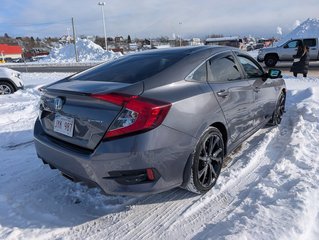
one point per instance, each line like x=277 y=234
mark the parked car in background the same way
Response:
x=10 y=81
x=285 y=51
x=156 y=120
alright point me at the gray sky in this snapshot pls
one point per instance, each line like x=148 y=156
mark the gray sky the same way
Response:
x=151 y=18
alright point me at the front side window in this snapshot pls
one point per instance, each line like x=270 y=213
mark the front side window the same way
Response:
x=225 y=69
x=293 y=44
x=251 y=69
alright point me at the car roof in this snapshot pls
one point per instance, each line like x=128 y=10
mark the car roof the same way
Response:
x=194 y=56
x=185 y=50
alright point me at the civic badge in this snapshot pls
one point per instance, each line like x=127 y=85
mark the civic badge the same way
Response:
x=58 y=103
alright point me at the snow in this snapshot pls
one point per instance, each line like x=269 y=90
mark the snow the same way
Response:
x=253 y=53
x=269 y=189
x=307 y=29
x=87 y=50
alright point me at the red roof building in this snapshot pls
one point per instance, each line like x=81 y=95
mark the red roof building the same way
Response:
x=10 y=51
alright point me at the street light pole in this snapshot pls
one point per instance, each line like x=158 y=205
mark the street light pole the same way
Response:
x=180 y=34
x=102 y=4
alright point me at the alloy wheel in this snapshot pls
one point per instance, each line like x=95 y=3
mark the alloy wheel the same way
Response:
x=280 y=109
x=210 y=160
x=5 y=89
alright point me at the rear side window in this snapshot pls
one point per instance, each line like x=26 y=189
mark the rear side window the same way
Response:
x=200 y=74
x=129 y=69
x=225 y=69
x=310 y=42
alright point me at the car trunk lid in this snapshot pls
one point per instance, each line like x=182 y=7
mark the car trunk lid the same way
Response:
x=68 y=111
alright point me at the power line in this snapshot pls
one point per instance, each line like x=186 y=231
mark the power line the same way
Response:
x=17 y=24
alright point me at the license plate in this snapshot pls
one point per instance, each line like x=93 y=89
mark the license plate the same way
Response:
x=63 y=125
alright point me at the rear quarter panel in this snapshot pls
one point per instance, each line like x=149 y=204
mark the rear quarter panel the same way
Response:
x=194 y=106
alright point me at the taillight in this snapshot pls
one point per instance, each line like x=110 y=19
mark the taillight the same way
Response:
x=138 y=113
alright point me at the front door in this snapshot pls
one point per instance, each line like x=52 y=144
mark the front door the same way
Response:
x=289 y=49
x=264 y=92
x=233 y=93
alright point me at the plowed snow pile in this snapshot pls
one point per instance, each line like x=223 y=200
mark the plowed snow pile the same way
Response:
x=269 y=190
x=87 y=50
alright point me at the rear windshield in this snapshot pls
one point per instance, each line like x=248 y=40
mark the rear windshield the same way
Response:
x=130 y=69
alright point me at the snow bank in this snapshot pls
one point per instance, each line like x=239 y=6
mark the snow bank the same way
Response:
x=307 y=29
x=269 y=189
x=87 y=50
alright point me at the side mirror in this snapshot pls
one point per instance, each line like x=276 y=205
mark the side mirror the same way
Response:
x=274 y=73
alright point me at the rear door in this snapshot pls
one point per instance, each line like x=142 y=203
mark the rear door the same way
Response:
x=313 y=48
x=233 y=93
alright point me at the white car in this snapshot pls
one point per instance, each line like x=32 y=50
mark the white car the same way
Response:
x=10 y=81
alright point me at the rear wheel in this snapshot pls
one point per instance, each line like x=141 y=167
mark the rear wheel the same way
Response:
x=271 y=60
x=207 y=161
x=6 y=88
x=279 y=111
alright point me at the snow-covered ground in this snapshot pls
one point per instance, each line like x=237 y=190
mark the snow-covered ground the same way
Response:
x=269 y=190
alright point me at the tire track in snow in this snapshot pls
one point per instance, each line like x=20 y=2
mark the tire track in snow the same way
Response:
x=134 y=223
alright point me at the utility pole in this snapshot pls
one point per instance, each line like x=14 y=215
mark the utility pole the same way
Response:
x=102 y=4
x=180 y=36
x=74 y=37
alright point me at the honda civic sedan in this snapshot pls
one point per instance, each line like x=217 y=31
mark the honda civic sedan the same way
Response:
x=156 y=120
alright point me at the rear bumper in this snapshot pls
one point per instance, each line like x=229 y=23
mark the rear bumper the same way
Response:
x=163 y=149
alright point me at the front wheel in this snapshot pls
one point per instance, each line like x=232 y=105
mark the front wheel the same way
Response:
x=207 y=161
x=279 y=111
x=271 y=60
x=6 y=88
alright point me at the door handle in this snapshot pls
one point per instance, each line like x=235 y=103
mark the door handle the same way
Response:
x=222 y=93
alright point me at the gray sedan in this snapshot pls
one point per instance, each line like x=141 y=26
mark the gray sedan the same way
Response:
x=156 y=120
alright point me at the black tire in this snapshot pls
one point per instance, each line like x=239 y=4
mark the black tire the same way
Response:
x=271 y=60
x=279 y=110
x=207 y=161
x=6 y=88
